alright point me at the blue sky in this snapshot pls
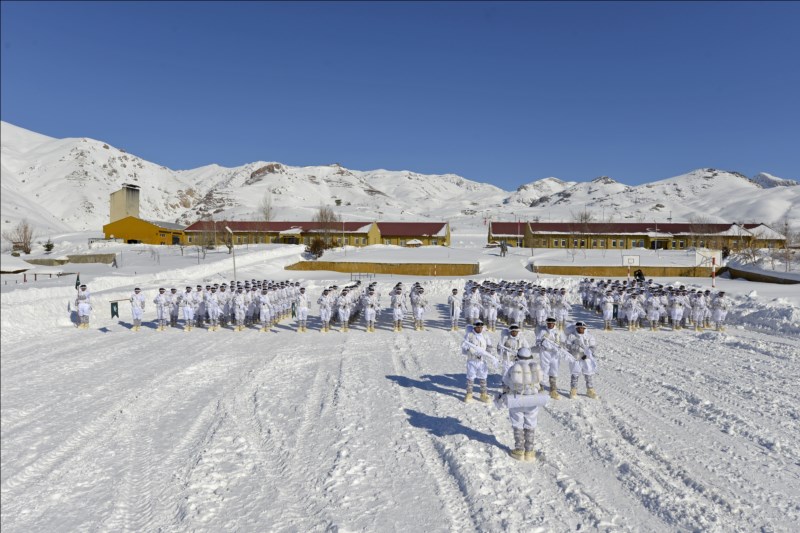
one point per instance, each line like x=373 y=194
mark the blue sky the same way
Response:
x=504 y=93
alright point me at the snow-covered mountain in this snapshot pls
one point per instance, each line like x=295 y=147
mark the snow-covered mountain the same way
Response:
x=768 y=180
x=63 y=185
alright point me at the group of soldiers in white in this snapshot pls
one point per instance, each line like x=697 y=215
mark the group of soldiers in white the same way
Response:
x=517 y=302
x=544 y=311
x=630 y=304
x=523 y=376
x=252 y=303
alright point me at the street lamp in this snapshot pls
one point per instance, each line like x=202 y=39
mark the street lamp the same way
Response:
x=233 y=247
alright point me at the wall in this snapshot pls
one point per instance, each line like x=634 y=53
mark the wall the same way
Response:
x=88 y=258
x=124 y=203
x=756 y=276
x=406 y=269
x=621 y=272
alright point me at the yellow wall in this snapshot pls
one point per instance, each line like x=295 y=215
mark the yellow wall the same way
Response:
x=136 y=229
x=716 y=242
x=621 y=272
x=408 y=269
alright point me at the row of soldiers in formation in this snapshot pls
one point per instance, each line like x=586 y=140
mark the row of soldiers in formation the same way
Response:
x=523 y=303
x=256 y=302
x=631 y=304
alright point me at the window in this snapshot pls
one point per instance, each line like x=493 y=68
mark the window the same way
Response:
x=162 y=235
x=681 y=244
x=674 y=244
x=364 y=241
x=387 y=241
x=574 y=243
x=613 y=243
x=555 y=243
x=563 y=243
x=239 y=239
x=602 y=243
x=346 y=240
x=403 y=242
x=434 y=242
x=190 y=238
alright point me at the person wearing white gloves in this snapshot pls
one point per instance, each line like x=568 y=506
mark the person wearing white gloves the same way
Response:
x=370 y=302
x=582 y=345
x=455 y=309
x=238 y=305
x=475 y=348
x=719 y=311
x=511 y=340
x=163 y=306
x=520 y=395
x=301 y=304
x=398 y=305
x=137 y=308
x=419 y=310
x=83 y=303
x=188 y=302
x=550 y=342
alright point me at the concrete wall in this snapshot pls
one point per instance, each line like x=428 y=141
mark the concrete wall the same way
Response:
x=756 y=276
x=405 y=269
x=124 y=203
x=621 y=272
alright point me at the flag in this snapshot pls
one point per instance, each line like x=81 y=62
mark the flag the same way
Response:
x=78 y=282
x=114 y=309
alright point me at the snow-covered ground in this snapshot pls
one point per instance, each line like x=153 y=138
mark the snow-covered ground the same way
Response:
x=111 y=430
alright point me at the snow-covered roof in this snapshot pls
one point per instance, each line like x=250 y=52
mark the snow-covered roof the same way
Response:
x=762 y=231
x=10 y=264
x=291 y=227
x=167 y=225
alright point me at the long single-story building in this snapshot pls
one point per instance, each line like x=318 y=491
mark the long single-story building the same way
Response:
x=626 y=235
x=247 y=232
x=402 y=233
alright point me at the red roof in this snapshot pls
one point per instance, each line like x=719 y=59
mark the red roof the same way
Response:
x=508 y=228
x=238 y=226
x=417 y=229
x=627 y=227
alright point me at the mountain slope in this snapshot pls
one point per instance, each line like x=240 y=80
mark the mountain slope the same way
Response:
x=63 y=185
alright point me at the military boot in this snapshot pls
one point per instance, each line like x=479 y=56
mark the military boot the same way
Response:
x=530 y=455
x=553 y=389
x=518 y=452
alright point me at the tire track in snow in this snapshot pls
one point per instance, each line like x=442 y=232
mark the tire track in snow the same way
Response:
x=438 y=461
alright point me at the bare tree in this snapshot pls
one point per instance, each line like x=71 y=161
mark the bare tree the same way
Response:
x=266 y=209
x=749 y=245
x=702 y=231
x=21 y=237
x=328 y=222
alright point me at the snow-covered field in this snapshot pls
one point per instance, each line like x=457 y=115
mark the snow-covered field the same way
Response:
x=111 y=430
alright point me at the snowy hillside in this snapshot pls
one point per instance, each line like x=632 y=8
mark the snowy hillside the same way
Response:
x=768 y=180
x=63 y=185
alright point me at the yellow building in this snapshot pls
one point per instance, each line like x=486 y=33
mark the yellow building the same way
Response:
x=244 y=232
x=406 y=233
x=134 y=230
x=627 y=235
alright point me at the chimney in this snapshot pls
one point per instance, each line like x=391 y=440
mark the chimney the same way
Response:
x=124 y=202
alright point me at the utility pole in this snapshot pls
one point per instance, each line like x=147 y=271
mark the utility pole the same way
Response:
x=233 y=249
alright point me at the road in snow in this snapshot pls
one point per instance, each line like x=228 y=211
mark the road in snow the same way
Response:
x=111 y=430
